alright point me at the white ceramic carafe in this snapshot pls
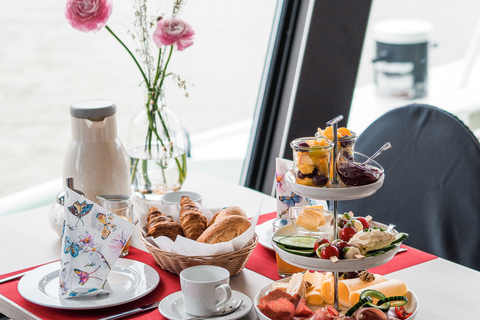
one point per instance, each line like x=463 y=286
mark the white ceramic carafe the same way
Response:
x=95 y=157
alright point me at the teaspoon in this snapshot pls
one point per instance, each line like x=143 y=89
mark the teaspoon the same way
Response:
x=385 y=147
x=229 y=310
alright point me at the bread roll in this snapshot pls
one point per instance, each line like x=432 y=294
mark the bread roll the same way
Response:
x=229 y=211
x=158 y=224
x=225 y=229
x=192 y=220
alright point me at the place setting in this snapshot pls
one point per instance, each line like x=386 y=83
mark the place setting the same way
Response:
x=91 y=275
x=205 y=292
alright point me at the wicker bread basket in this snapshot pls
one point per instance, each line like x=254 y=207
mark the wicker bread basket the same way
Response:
x=175 y=263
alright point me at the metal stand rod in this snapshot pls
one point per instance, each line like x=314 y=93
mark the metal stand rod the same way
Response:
x=335 y=274
x=334 y=123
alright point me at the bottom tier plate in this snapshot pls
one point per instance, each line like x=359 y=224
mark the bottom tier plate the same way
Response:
x=411 y=306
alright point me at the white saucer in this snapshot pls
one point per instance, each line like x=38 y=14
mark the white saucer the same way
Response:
x=265 y=233
x=171 y=307
x=129 y=280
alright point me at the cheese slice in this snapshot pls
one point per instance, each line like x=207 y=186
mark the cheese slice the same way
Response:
x=345 y=287
x=314 y=292
x=296 y=285
x=388 y=288
x=311 y=217
x=327 y=288
x=280 y=285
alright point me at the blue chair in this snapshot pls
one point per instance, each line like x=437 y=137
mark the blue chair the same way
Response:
x=432 y=181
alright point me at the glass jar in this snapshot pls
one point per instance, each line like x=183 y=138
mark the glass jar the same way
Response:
x=311 y=156
x=56 y=215
x=157 y=150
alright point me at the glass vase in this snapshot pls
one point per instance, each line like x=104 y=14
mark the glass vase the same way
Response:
x=156 y=147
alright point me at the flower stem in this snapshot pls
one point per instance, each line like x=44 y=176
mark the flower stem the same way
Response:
x=130 y=53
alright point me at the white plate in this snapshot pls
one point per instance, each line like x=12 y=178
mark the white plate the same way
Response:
x=265 y=233
x=338 y=192
x=171 y=307
x=129 y=280
x=343 y=265
x=411 y=306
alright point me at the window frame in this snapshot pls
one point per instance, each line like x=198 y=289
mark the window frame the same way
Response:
x=310 y=76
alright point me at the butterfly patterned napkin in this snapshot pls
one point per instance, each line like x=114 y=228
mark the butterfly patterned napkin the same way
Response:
x=286 y=198
x=92 y=241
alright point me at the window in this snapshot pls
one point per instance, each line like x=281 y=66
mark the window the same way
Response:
x=453 y=66
x=47 y=65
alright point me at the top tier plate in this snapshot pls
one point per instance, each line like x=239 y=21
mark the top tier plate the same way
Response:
x=338 y=192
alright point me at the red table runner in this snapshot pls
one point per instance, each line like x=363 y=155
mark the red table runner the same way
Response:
x=262 y=261
x=169 y=283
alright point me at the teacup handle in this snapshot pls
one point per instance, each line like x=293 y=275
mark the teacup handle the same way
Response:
x=228 y=294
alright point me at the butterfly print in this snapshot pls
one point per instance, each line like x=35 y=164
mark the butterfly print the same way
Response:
x=80 y=209
x=290 y=201
x=72 y=247
x=108 y=226
x=279 y=179
x=85 y=276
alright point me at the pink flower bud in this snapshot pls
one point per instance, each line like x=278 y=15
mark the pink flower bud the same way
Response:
x=88 y=15
x=173 y=31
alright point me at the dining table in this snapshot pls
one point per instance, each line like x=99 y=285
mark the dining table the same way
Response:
x=444 y=289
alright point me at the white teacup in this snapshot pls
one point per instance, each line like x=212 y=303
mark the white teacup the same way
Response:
x=205 y=289
x=175 y=196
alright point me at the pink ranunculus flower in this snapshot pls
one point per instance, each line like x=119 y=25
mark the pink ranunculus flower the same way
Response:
x=173 y=31
x=88 y=15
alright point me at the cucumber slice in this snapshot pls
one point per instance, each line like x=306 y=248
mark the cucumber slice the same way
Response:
x=381 y=250
x=276 y=239
x=394 y=301
x=374 y=253
x=357 y=306
x=384 y=307
x=297 y=242
x=400 y=237
x=374 y=294
x=306 y=253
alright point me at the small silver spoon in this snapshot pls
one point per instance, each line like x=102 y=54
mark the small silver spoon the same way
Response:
x=229 y=310
x=385 y=147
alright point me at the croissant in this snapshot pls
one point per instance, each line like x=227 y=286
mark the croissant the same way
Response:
x=192 y=220
x=159 y=224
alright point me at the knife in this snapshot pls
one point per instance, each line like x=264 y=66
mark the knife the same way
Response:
x=13 y=277
x=144 y=308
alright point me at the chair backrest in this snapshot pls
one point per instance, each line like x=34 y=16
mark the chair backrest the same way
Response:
x=432 y=181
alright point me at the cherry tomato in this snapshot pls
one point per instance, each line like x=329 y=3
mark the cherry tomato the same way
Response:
x=342 y=222
x=402 y=313
x=328 y=251
x=364 y=222
x=340 y=244
x=347 y=232
x=319 y=242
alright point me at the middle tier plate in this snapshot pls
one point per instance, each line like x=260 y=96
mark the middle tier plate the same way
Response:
x=339 y=192
x=317 y=264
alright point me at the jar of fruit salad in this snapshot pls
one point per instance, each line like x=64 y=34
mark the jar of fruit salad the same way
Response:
x=311 y=156
x=346 y=140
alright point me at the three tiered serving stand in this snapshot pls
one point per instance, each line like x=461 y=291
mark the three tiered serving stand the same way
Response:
x=334 y=192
